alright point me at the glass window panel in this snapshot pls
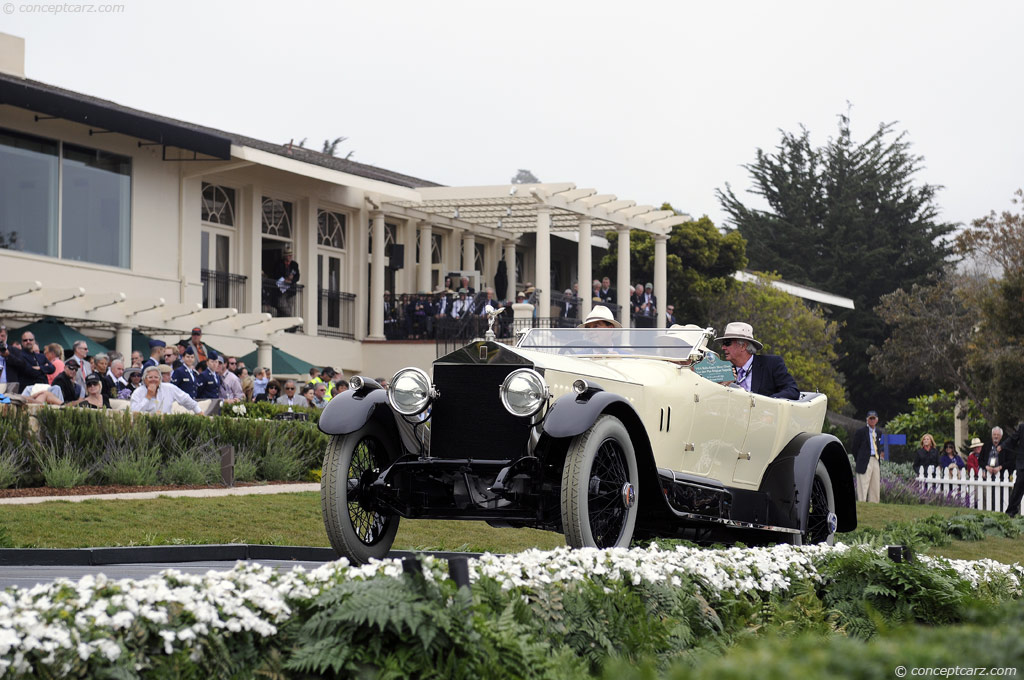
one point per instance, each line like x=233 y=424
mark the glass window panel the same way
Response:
x=222 y=253
x=204 y=250
x=331 y=229
x=28 y=193
x=218 y=204
x=96 y=209
x=277 y=217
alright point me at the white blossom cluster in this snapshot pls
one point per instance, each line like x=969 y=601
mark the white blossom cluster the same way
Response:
x=735 y=570
x=92 y=618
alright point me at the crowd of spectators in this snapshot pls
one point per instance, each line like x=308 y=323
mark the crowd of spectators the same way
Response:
x=461 y=312
x=985 y=459
x=185 y=373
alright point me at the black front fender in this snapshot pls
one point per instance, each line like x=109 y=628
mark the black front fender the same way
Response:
x=349 y=411
x=574 y=414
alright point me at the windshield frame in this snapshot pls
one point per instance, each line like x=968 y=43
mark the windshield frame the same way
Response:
x=686 y=344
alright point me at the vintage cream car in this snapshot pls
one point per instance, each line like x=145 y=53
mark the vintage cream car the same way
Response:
x=602 y=434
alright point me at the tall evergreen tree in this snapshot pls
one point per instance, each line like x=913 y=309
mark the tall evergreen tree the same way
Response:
x=849 y=218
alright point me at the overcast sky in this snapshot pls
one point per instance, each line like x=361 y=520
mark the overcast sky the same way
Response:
x=651 y=101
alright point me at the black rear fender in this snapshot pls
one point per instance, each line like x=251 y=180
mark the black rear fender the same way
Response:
x=788 y=481
x=351 y=411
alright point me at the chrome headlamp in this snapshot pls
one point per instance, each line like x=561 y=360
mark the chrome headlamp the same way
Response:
x=524 y=392
x=410 y=391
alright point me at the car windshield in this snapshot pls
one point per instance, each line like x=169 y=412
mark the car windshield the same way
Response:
x=678 y=344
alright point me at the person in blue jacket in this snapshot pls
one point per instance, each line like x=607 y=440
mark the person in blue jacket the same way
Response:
x=208 y=383
x=184 y=376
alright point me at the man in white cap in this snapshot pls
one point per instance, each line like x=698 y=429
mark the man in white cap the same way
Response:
x=758 y=373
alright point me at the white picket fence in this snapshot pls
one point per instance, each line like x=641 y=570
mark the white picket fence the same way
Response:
x=983 y=492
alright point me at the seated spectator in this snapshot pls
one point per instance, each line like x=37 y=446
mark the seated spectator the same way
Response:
x=271 y=393
x=319 y=395
x=25 y=365
x=230 y=385
x=926 y=456
x=951 y=459
x=207 y=383
x=973 y=457
x=306 y=392
x=94 y=395
x=156 y=396
x=54 y=353
x=66 y=382
x=136 y=359
x=133 y=376
x=165 y=372
x=100 y=366
x=340 y=385
x=247 y=382
x=116 y=375
x=290 y=397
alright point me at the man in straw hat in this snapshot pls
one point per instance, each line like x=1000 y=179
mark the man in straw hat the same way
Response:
x=600 y=317
x=758 y=373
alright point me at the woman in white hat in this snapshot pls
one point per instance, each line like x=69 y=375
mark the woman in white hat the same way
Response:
x=974 y=457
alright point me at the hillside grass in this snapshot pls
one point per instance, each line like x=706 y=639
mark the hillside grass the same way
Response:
x=294 y=519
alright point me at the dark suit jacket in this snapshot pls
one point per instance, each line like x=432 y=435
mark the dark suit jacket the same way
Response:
x=770 y=377
x=860 y=447
x=29 y=368
x=1013 y=446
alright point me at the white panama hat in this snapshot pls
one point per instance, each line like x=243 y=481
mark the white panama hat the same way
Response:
x=600 y=313
x=738 y=330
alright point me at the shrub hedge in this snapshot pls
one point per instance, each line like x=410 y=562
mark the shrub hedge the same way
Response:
x=68 y=447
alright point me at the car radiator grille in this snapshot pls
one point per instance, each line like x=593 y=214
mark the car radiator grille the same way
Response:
x=467 y=420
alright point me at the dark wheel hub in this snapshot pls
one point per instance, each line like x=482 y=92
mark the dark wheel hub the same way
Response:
x=364 y=469
x=821 y=521
x=610 y=494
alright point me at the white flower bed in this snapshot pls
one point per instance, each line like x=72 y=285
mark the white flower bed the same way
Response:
x=92 y=617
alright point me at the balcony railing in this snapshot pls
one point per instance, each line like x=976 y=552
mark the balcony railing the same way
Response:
x=221 y=289
x=336 y=314
x=281 y=299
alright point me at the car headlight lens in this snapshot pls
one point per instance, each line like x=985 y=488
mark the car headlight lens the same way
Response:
x=523 y=392
x=410 y=391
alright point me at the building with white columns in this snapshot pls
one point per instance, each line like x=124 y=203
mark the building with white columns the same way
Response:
x=114 y=219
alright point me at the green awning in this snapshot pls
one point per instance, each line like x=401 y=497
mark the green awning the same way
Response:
x=50 y=330
x=282 y=363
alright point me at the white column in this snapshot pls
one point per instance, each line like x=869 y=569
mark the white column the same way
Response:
x=622 y=286
x=123 y=343
x=423 y=273
x=453 y=255
x=469 y=251
x=263 y=353
x=510 y=269
x=661 y=276
x=251 y=234
x=377 y=278
x=544 y=262
x=359 y=255
x=584 y=267
x=306 y=242
x=410 y=276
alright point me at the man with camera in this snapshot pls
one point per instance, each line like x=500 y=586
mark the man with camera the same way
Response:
x=4 y=352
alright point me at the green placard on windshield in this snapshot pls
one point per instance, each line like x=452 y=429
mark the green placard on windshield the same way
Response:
x=714 y=369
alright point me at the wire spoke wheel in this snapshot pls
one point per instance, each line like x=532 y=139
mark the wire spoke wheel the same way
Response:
x=821 y=517
x=356 y=528
x=599 y=487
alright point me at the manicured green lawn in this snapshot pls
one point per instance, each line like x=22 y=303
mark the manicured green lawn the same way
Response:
x=294 y=519
x=278 y=519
